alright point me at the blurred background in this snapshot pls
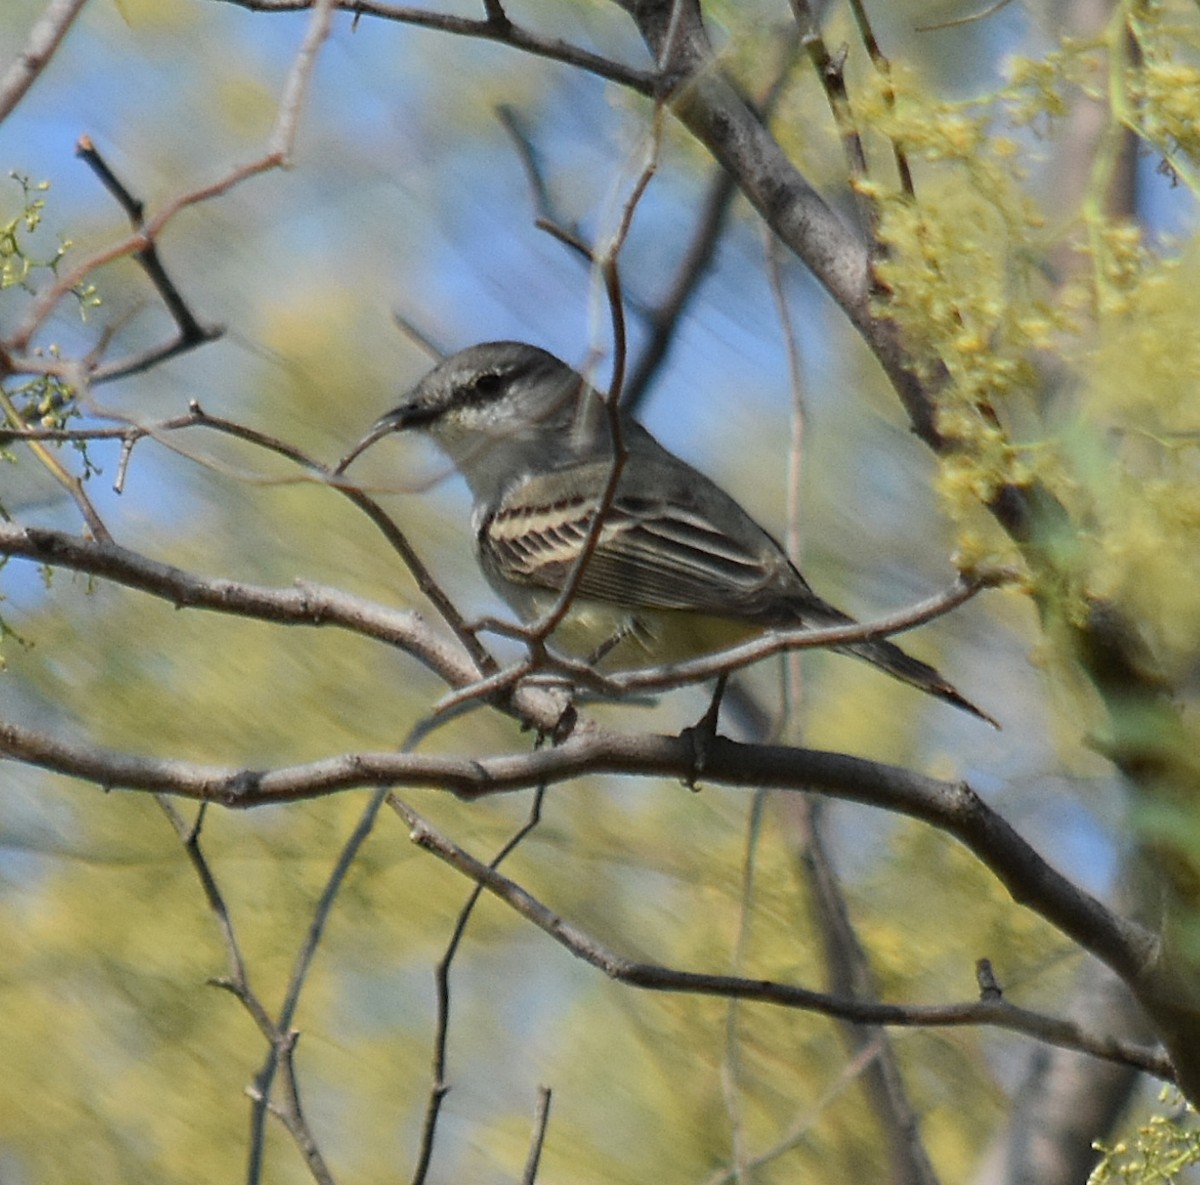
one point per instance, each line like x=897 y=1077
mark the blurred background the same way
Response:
x=408 y=199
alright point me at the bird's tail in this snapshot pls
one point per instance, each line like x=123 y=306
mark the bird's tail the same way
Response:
x=889 y=657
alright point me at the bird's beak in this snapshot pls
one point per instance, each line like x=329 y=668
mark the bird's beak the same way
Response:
x=393 y=421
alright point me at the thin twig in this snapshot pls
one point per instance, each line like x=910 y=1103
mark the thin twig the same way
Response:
x=197 y=417
x=665 y=316
x=277 y=156
x=541 y=1117
x=291 y=1114
x=44 y=39
x=422 y=340
x=740 y=1170
x=847 y=969
x=607 y=263
x=1051 y=1030
x=279 y=1051
x=191 y=332
x=147 y=257
x=804 y=1124
x=65 y=478
x=47 y=300
x=849 y=977
x=699 y=669
x=503 y=31
x=970 y=18
x=567 y=238
x=496 y=14
x=539 y=191
x=237 y=981
x=391 y=532
x=280 y=1039
x=830 y=71
x=793 y=543
x=440 y=1087
x=282 y=141
x=643 y=680
x=884 y=68
x=730 y=1064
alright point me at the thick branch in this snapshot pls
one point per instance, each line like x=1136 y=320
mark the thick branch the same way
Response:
x=711 y=108
x=954 y=807
x=306 y=604
x=1132 y=952
x=1155 y=753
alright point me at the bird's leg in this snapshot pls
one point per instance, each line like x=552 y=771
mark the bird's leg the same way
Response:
x=625 y=630
x=702 y=734
x=560 y=731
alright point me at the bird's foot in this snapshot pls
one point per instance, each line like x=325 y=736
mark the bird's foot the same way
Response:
x=701 y=735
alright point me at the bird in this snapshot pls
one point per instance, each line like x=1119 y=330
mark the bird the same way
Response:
x=678 y=566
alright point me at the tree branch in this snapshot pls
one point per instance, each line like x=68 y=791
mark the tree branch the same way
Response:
x=953 y=807
x=306 y=604
x=711 y=108
x=664 y=317
x=849 y=977
x=642 y=680
x=44 y=39
x=653 y=977
x=282 y=1046
x=278 y=155
x=191 y=332
x=309 y=605
x=440 y=1087
x=504 y=31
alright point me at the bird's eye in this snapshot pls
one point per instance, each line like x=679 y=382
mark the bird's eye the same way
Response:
x=488 y=384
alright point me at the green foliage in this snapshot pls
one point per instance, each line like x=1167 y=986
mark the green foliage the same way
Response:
x=44 y=400
x=19 y=263
x=1162 y=103
x=1157 y=1153
x=1008 y=305
x=963 y=276
x=15 y=263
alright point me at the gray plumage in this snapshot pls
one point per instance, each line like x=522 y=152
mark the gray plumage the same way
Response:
x=533 y=442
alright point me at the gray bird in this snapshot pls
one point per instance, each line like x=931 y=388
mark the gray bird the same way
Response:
x=679 y=567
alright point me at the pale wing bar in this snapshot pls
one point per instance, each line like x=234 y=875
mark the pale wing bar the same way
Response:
x=649 y=554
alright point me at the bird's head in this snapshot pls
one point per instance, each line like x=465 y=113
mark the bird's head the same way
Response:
x=505 y=396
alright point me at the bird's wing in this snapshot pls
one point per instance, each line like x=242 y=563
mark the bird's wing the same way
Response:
x=667 y=550
x=670 y=540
